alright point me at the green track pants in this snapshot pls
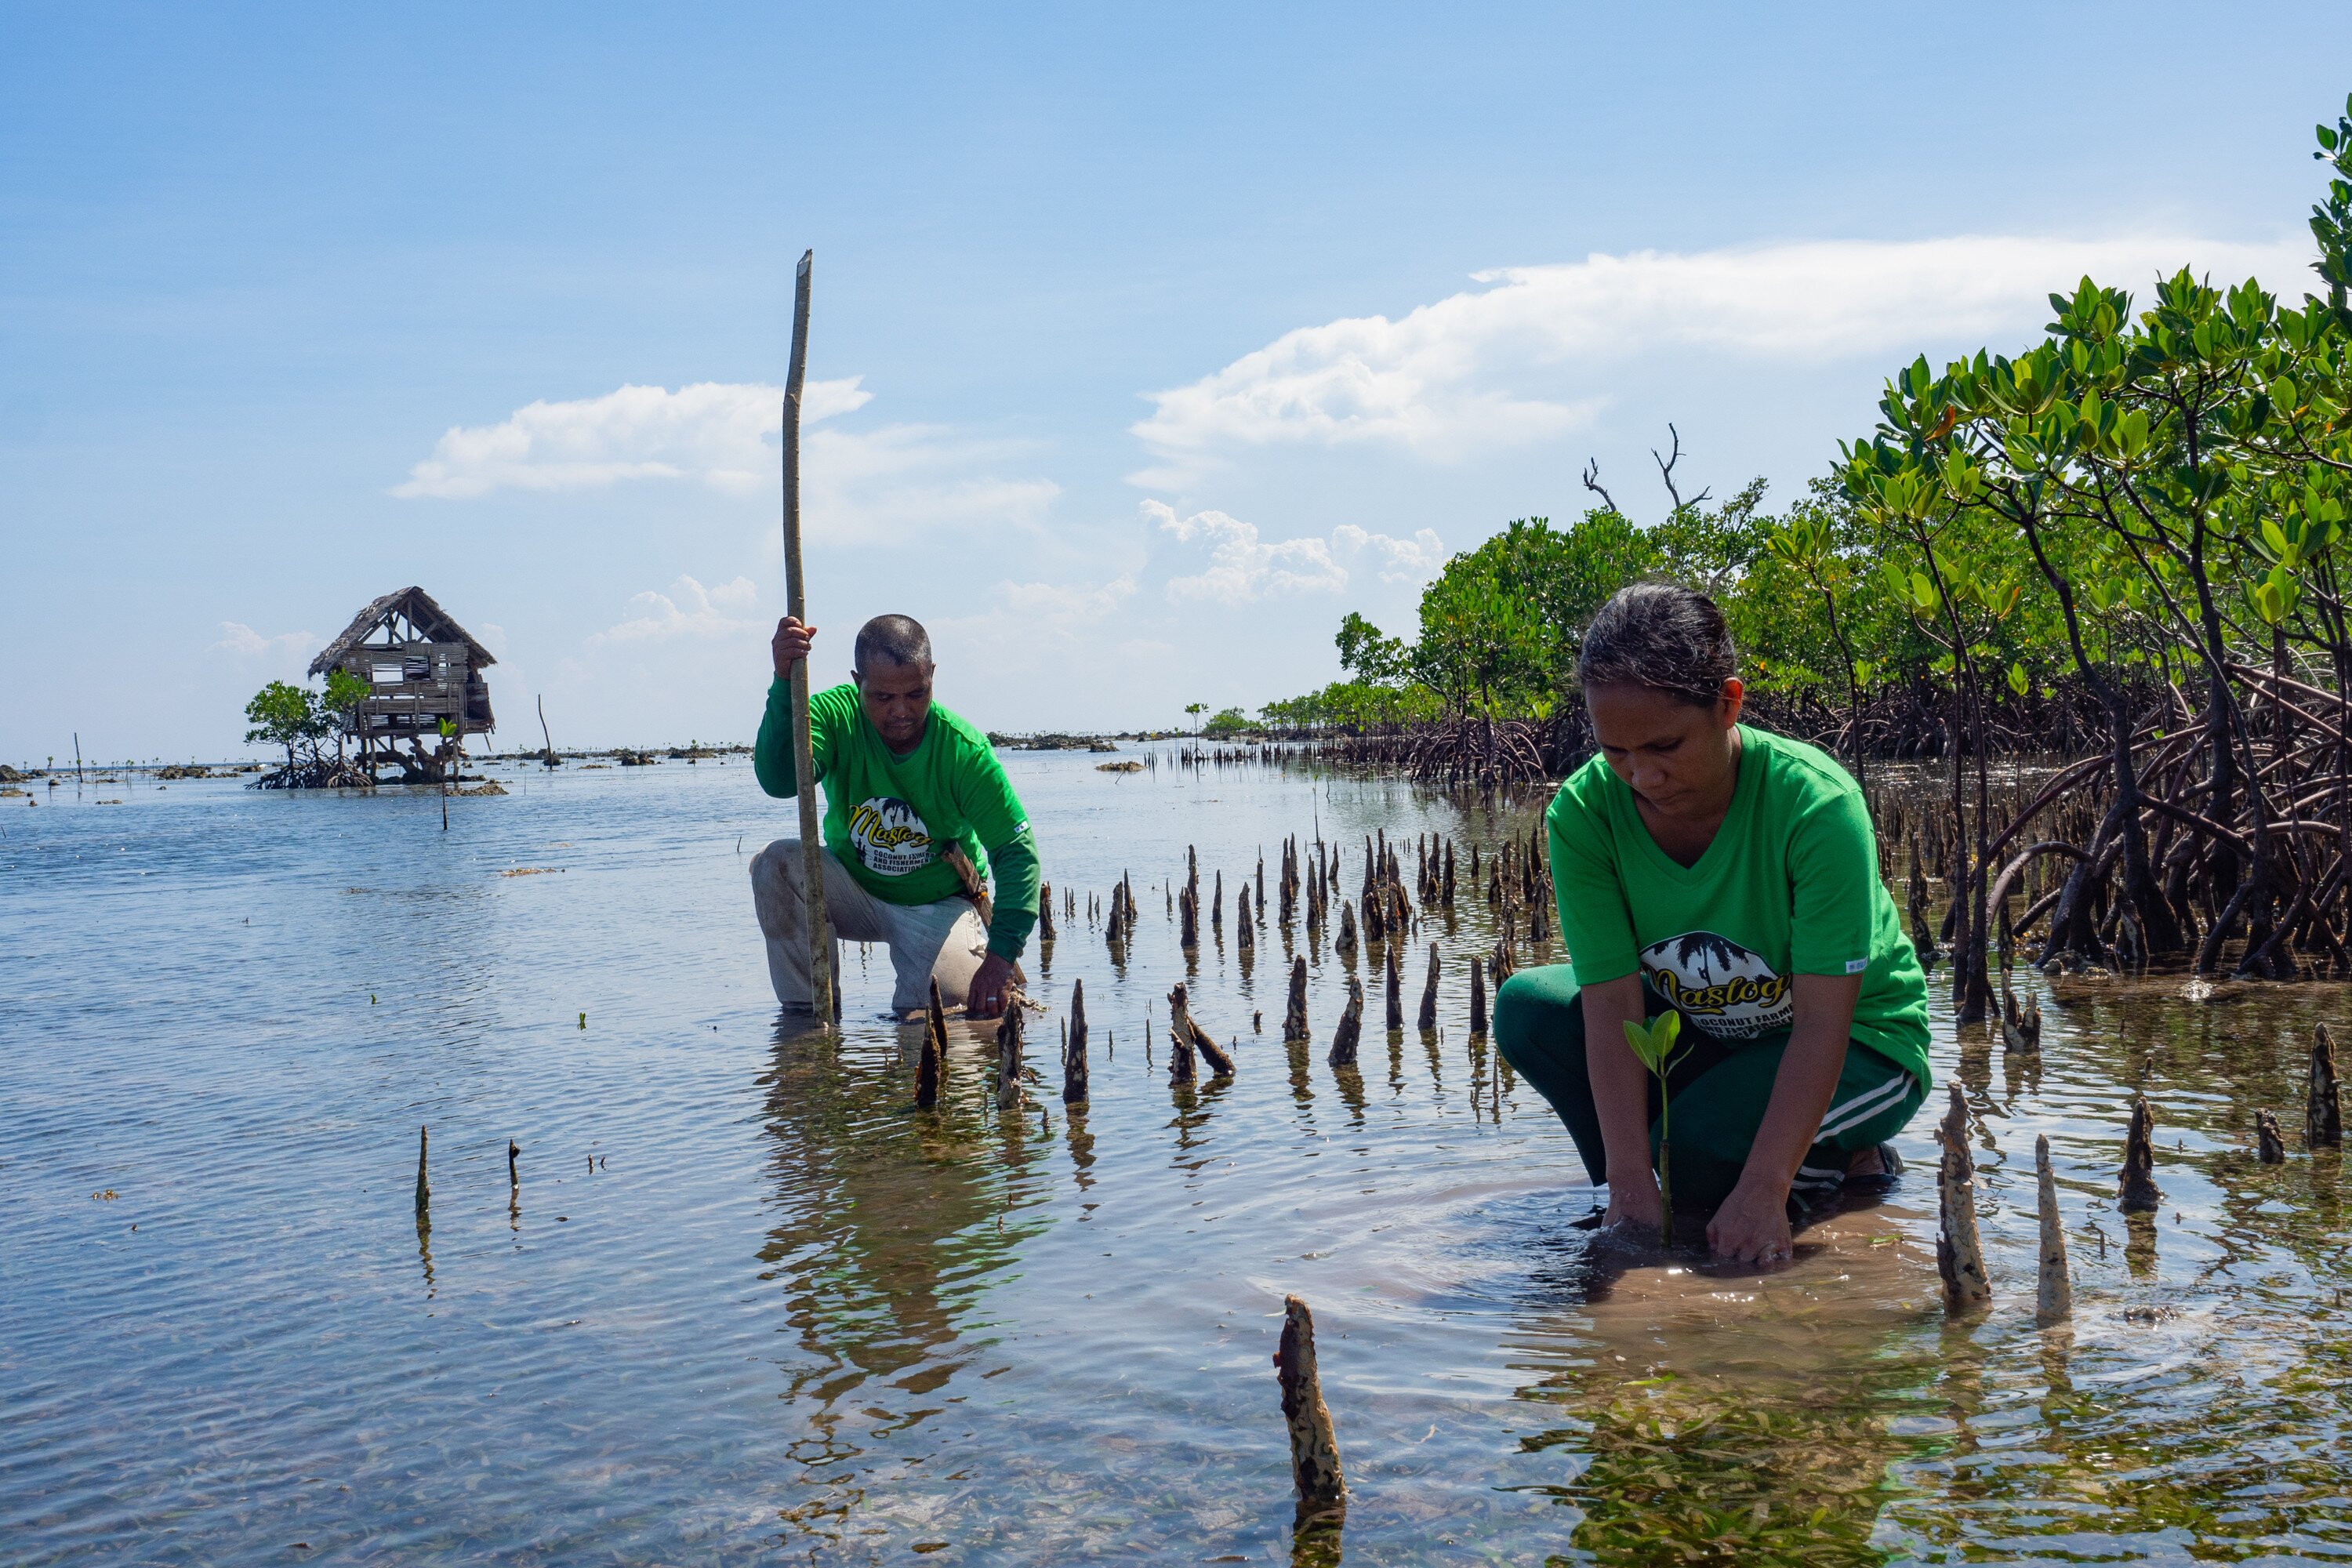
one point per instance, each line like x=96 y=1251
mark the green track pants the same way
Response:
x=1719 y=1092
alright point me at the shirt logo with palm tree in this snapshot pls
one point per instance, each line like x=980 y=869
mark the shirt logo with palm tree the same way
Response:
x=1719 y=985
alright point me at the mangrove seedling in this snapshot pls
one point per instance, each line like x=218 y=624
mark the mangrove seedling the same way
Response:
x=1654 y=1046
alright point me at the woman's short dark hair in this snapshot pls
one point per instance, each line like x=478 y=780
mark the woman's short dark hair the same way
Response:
x=1669 y=639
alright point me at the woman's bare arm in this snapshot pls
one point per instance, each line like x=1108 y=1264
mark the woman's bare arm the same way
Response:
x=1752 y=1226
x=1620 y=1094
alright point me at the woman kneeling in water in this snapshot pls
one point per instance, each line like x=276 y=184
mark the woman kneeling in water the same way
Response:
x=1731 y=875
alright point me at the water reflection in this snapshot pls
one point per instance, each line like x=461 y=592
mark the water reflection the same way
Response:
x=891 y=1222
x=1734 y=1418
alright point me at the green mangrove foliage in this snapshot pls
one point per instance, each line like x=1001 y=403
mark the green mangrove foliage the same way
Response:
x=2122 y=542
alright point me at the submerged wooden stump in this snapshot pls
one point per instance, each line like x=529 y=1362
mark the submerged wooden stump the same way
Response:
x=2135 y=1188
x=2323 y=1114
x=1293 y=1015
x=1959 y=1253
x=1073 y=1048
x=1478 y=995
x=1045 y=913
x=1347 y=939
x=1429 y=992
x=1351 y=1025
x=1393 y=987
x=1008 y=1055
x=1314 y=1446
x=2054 y=1300
x=2269 y=1147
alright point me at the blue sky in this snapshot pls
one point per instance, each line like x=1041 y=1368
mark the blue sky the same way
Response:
x=1148 y=342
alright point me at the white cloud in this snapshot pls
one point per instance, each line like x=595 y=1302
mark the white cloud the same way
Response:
x=1483 y=369
x=1414 y=560
x=689 y=610
x=863 y=487
x=723 y=434
x=1244 y=567
x=243 y=642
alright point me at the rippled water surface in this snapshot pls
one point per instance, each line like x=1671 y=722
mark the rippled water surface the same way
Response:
x=746 y=1305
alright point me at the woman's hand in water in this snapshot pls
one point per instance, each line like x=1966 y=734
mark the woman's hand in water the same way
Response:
x=1752 y=1226
x=1635 y=1202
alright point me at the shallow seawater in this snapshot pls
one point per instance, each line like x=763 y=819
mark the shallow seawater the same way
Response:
x=746 y=1305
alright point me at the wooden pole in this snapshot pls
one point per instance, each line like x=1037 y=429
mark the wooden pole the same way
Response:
x=819 y=931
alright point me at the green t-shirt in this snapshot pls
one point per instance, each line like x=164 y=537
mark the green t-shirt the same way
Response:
x=889 y=819
x=1788 y=886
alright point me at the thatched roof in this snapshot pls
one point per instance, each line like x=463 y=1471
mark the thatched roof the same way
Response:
x=423 y=614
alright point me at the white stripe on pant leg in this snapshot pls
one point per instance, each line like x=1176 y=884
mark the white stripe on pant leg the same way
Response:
x=1863 y=1107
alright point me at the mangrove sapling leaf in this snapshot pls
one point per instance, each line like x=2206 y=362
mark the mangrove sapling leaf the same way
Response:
x=1654 y=1048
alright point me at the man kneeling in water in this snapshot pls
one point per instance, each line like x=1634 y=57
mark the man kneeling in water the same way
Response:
x=1731 y=875
x=910 y=791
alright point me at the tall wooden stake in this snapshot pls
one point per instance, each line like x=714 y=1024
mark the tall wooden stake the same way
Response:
x=820 y=929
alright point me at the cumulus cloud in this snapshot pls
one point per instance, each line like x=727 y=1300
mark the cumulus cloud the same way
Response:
x=689 y=610
x=1497 y=365
x=867 y=486
x=723 y=434
x=1243 y=567
x=243 y=642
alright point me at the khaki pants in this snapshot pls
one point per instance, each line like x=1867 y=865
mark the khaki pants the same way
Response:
x=943 y=941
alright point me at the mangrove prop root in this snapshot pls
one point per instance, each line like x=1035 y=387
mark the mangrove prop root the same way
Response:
x=1959 y=1255
x=1314 y=1446
x=1351 y=1025
x=2021 y=1027
x=926 y=1071
x=423 y=1188
x=1429 y=992
x=1008 y=1055
x=2323 y=1114
x=2269 y=1147
x=1477 y=993
x=1181 y=1021
x=2054 y=1301
x=2136 y=1189
x=1293 y=1015
x=1073 y=1048
x=1393 y=987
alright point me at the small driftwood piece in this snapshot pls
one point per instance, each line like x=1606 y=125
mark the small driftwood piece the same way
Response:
x=1008 y=1055
x=2135 y=1188
x=2323 y=1114
x=1293 y=1015
x=423 y=1187
x=2269 y=1147
x=2054 y=1300
x=1429 y=992
x=1478 y=995
x=1181 y=1020
x=1351 y=1026
x=1959 y=1253
x=1314 y=1447
x=1073 y=1048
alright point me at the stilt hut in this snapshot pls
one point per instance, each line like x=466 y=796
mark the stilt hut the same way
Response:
x=422 y=666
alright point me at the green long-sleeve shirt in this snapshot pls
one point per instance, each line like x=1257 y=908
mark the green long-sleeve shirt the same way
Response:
x=889 y=819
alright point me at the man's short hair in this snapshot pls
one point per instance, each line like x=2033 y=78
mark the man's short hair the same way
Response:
x=897 y=639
